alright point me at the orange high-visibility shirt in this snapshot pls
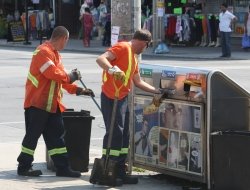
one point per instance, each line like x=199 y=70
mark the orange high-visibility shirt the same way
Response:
x=126 y=60
x=45 y=79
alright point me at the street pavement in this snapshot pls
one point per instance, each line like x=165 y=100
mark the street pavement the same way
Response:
x=147 y=179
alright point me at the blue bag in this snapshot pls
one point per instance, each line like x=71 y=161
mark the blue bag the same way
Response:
x=245 y=41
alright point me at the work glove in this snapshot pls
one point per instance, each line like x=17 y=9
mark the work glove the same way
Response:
x=86 y=92
x=157 y=100
x=166 y=92
x=74 y=75
x=117 y=73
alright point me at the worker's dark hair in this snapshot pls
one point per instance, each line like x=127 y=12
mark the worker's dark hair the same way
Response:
x=224 y=5
x=142 y=35
x=59 y=32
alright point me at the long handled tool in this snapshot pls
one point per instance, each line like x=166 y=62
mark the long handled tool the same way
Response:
x=91 y=96
x=104 y=172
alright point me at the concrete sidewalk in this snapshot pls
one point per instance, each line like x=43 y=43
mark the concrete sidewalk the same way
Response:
x=176 y=52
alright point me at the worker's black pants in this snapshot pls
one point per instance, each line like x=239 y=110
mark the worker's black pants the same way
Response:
x=39 y=122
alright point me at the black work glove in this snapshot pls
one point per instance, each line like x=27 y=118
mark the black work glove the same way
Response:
x=86 y=92
x=75 y=75
x=166 y=92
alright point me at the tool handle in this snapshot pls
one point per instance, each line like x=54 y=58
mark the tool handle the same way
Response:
x=91 y=96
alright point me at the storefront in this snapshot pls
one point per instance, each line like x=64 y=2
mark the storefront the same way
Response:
x=41 y=17
x=192 y=22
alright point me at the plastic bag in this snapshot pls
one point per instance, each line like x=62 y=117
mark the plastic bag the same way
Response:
x=161 y=48
x=245 y=41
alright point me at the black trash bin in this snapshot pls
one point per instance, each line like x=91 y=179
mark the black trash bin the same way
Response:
x=77 y=139
x=230 y=160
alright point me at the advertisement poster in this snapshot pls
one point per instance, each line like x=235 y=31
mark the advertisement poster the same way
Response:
x=168 y=136
x=195 y=159
x=163 y=146
x=184 y=86
x=173 y=149
x=180 y=116
x=183 y=157
x=146 y=134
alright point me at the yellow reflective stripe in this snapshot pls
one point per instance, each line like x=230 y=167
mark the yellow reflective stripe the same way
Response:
x=128 y=72
x=36 y=51
x=111 y=153
x=124 y=151
x=51 y=94
x=33 y=80
x=27 y=151
x=60 y=92
x=57 y=151
x=104 y=76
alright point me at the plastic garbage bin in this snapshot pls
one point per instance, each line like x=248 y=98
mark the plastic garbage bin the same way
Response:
x=77 y=139
x=230 y=164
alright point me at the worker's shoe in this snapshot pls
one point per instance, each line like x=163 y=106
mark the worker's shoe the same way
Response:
x=29 y=172
x=67 y=172
x=128 y=179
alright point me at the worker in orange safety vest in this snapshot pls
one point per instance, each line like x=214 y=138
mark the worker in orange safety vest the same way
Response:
x=43 y=106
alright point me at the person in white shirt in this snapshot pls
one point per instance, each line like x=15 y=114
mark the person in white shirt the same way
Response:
x=226 y=18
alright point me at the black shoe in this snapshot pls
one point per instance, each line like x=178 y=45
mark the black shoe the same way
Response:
x=223 y=56
x=128 y=179
x=29 y=172
x=67 y=172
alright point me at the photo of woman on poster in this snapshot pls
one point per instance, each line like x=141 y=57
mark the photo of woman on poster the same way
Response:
x=183 y=151
x=142 y=142
x=195 y=159
x=163 y=153
x=173 y=149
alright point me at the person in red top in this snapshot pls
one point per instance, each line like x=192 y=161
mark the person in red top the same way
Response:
x=88 y=23
x=120 y=69
x=43 y=105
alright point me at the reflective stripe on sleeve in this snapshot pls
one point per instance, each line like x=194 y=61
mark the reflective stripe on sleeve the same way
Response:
x=36 y=51
x=33 y=80
x=46 y=66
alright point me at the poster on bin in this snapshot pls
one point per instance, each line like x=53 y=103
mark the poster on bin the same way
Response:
x=146 y=130
x=184 y=86
x=168 y=136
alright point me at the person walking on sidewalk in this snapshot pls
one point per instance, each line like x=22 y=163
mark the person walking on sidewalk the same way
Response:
x=87 y=26
x=43 y=106
x=120 y=69
x=247 y=22
x=225 y=26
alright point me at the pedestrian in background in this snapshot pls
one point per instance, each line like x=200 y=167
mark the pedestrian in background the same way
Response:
x=102 y=9
x=225 y=26
x=82 y=11
x=120 y=70
x=87 y=26
x=43 y=105
x=247 y=22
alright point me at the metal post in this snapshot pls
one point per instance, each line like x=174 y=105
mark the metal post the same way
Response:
x=27 y=26
x=155 y=24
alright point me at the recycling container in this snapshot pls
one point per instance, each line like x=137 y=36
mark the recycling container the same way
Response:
x=77 y=139
x=230 y=160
